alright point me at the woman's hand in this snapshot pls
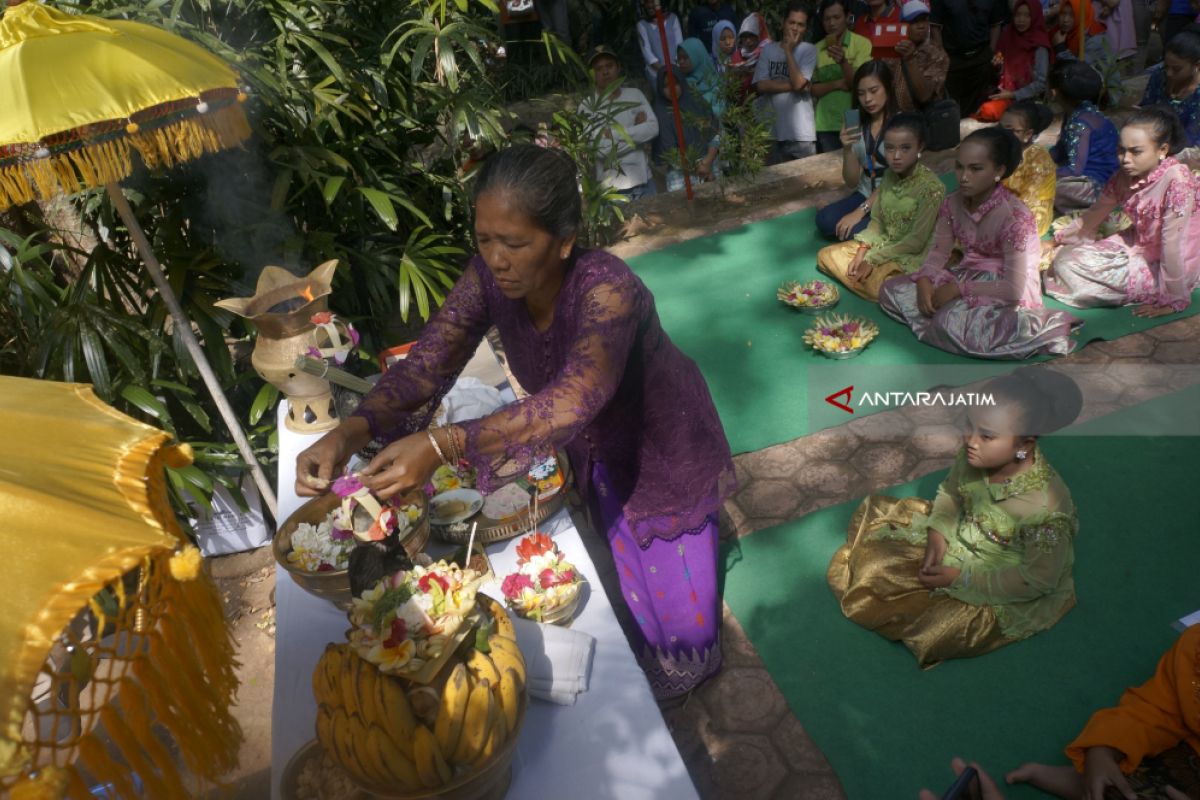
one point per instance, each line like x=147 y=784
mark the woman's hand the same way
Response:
x=850 y=135
x=845 y=226
x=704 y=169
x=1150 y=310
x=935 y=549
x=1058 y=38
x=1101 y=769
x=925 y=297
x=938 y=577
x=1073 y=233
x=946 y=293
x=317 y=466
x=1003 y=95
x=403 y=465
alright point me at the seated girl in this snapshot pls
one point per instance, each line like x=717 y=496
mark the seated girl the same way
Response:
x=988 y=562
x=1034 y=181
x=1176 y=82
x=1086 y=152
x=862 y=167
x=1023 y=52
x=700 y=133
x=1146 y=746
x=989 y=304
x=1153 y=264
x=901 y=227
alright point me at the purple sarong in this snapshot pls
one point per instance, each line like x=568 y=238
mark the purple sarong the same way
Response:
x=671 y=588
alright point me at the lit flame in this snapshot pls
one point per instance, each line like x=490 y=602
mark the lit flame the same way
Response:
x=307 y=294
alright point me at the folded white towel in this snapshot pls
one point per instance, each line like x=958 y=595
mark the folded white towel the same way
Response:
x=558 y=661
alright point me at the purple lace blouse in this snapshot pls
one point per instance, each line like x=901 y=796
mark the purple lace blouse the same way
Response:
x=605 y=383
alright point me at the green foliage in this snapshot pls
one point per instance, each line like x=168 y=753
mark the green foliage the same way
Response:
x=746 y=134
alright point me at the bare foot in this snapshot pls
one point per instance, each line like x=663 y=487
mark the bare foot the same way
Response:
x=1062 y=782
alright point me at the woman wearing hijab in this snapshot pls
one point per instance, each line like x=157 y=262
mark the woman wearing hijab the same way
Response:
x=701 y=132
x=1024 y=54
x=724 y=44
x=751 y=39
x=1072 y=23
x=695 y=63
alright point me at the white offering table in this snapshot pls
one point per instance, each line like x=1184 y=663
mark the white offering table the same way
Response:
x=611 y=745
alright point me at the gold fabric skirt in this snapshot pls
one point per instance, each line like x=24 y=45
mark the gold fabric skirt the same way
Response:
x=875 y=580
x=835 y=259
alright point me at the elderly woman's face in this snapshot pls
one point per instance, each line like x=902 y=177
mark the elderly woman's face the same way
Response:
x=521 y=256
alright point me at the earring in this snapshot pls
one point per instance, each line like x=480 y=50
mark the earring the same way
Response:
x=1022 y=455
x=997 y=179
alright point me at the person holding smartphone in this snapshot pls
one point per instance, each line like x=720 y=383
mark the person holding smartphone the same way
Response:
x=839 y=53
x=862 y=166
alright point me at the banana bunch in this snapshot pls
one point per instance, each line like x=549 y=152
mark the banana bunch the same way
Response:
x=390 y=734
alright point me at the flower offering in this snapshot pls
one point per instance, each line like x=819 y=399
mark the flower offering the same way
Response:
x=410 y=618
x=320 y=548
x=365 y=517
x=544 y=582
x=840 y=336
x=808 y=296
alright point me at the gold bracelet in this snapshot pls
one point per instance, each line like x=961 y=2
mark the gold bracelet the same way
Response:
x=454 y=448
x=436 y=448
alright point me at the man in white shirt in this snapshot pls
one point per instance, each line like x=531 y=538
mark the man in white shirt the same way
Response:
x=782 y=78
x=612 y=105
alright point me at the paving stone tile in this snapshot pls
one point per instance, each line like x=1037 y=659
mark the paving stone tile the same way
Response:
x=763 y=497
x=886 y=426
x=1181 y=352
x=936 y=441
x=745 y=700
x=1178 y=331
x=800 y=753
x=691 y=727
x=747 y=766
x=884 y=463
x=825 y=478
x=736 y=649
x=810 y=786
x=1136 y=345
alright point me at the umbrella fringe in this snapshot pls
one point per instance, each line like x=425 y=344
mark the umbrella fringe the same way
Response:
x=97 y=163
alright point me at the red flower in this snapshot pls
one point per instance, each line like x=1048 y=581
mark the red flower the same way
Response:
x=533 y=545
x=429 y=576
x=321 y=318
x=397 y=634
x=514 y=584
x=547 y=578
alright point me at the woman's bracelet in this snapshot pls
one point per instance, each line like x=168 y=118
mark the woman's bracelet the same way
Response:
x=452 y=438
x=436 y=447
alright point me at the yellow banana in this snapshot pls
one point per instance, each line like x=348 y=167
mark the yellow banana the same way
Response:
x=348 y=681
x=482 y=668
x=366 y=693
x=356 y=759
x=325 y=677
x=476 y=724
x=505 y=653
x=394 y=714
x=325 y=729
x=398 y=767
x=453 y=710
x=503 y=622
x=431 y=765
x=509 y=694
x=497 y=732
x=341 y=740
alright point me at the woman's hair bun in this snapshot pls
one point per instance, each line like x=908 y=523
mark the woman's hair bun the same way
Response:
x=1048 y=399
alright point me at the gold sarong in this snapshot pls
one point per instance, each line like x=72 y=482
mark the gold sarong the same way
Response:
x=876 y=582
x=835 y=259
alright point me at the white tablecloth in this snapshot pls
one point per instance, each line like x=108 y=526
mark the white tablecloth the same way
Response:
x=612 y=744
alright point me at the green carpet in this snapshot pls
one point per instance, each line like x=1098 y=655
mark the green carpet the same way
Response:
x=716 y=298
x=887 y=727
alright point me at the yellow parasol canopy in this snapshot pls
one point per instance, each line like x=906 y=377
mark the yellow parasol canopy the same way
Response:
x=79 y=91
x=84 y=511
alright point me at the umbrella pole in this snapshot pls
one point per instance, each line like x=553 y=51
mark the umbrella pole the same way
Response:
x=184 y=326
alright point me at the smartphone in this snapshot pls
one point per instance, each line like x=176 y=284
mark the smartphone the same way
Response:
x=850 y=119
x=960 y=787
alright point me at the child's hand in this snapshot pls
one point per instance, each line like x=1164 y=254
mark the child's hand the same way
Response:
x=937 y=577
x=1100 y=770
x=935 y=549
x=925 y=297
x=945 y=294
x=845 y=226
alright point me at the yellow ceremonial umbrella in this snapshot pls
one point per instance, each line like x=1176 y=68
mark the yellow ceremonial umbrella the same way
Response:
x=79 y=94
x=110 y=629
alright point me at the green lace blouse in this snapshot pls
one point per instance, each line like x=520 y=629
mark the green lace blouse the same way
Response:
x=903 y=219
x=1014 y=543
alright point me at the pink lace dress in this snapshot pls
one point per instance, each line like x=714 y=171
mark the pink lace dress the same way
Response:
x=1000 y=313
x=633 y=413
x=1156 y=260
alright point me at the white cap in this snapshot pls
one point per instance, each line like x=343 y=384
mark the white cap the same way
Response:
x=913 y=9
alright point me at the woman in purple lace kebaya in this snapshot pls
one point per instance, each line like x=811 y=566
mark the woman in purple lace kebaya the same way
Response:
x=583 y=338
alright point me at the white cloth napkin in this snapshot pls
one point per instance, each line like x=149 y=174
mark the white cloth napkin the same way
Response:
x=558 y=661
x=470 y=398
